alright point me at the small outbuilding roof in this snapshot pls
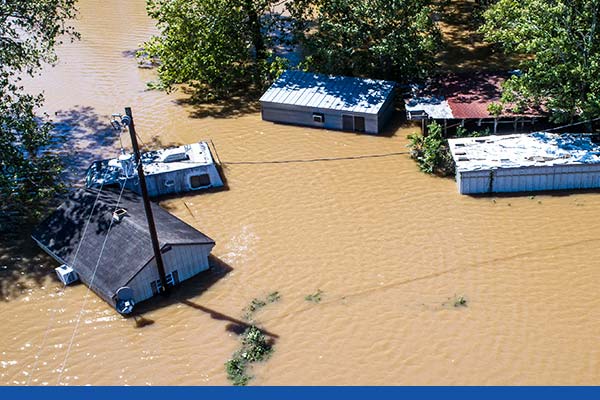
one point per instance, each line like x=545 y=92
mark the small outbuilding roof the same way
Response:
x=127 y=249
x=317 y=91
x=458 y=96
x=513 y=151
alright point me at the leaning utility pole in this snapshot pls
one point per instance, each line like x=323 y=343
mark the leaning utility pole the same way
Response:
x=127 y=119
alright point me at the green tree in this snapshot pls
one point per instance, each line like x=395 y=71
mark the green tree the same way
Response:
x=559 y=45
x=390 y=39
x=29 y=32
x=432 y=152
x=216 y=46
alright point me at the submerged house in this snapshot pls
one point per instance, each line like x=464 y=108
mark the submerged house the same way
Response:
x=331 y=102
x=455 y=100
x=168 y=171
x=532 y=162
x=119 y=265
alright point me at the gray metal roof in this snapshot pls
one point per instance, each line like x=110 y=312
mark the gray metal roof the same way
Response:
x=514 y=151
x=128 y=247
x=305 y=89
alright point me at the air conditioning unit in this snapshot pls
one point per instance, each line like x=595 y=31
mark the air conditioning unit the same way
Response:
x=66 y=274
x=318 y=117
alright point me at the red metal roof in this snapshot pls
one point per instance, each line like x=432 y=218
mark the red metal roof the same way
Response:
x=470 y=95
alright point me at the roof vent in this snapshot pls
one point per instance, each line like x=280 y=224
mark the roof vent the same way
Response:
x=174 y=155
x=119 y=214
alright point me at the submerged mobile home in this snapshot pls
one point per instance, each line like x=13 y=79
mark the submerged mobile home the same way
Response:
x=167 y=171
x=331 y=102
x=113 y=255
x=523 y=163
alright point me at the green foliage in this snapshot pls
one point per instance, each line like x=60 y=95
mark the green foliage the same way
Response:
x=431 y=152
x=392 y=39
x=459 y=301
x=315 y=297
x=257 y=303
x=559 y=42
x=29 y=32
x=495 y=109
x=255 y=348
x=218 y=47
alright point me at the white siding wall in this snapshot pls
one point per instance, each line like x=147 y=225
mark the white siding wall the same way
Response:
x=304 y=116
x=156 y=183
x=188 y=260
x=528 y=179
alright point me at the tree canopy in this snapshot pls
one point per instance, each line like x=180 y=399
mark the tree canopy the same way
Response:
x=559 y=42
x=393 y=39
x=214 y=45
x=29 y=32
x=218 y=45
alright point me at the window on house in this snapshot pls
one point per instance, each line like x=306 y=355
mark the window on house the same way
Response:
x=199 y=181
x=156 y=287
x=172 y=280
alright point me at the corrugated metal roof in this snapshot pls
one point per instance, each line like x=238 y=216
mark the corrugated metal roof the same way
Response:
x=304 y=89
x=466 y=97
x=535 y=149
x=434 y=107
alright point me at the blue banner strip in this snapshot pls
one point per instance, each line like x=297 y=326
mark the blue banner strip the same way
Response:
x=300 y=393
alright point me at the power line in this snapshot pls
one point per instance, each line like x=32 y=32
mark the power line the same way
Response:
x=574 y=124
x=62 y=369
x=311 y=160
x=51 y=322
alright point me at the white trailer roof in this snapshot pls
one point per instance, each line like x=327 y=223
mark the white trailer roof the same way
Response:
x=304 y=89
x=512 y=151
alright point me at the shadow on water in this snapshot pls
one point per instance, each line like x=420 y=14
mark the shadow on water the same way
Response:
x=81 y=136
x=234 y=326
x=187 y=289
x=23 y=266
x=241 y=102
x=193 y=288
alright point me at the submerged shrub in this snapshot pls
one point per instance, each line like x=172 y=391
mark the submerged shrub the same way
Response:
x=255 y=348
x=432 y=152
x=314 y=297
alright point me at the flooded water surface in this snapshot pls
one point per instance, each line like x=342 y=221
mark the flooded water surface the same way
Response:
x=391 y=250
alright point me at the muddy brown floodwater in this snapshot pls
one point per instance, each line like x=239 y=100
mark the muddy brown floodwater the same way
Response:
x=389 y=247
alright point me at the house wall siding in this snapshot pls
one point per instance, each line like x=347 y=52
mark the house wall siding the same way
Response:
x=304 y=116
x=157 y=183
x=188 y=260
x=528 y=179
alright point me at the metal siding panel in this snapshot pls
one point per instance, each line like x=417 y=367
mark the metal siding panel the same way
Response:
x=371 y=123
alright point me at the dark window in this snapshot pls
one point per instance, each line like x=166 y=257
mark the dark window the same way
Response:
x=359 y=124
x=154 y=287
x=199 y=181
x=318 y=117
x=175 y=277
x=347 y=123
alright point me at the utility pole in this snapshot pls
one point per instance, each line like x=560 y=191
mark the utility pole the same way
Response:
x=127 y=119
